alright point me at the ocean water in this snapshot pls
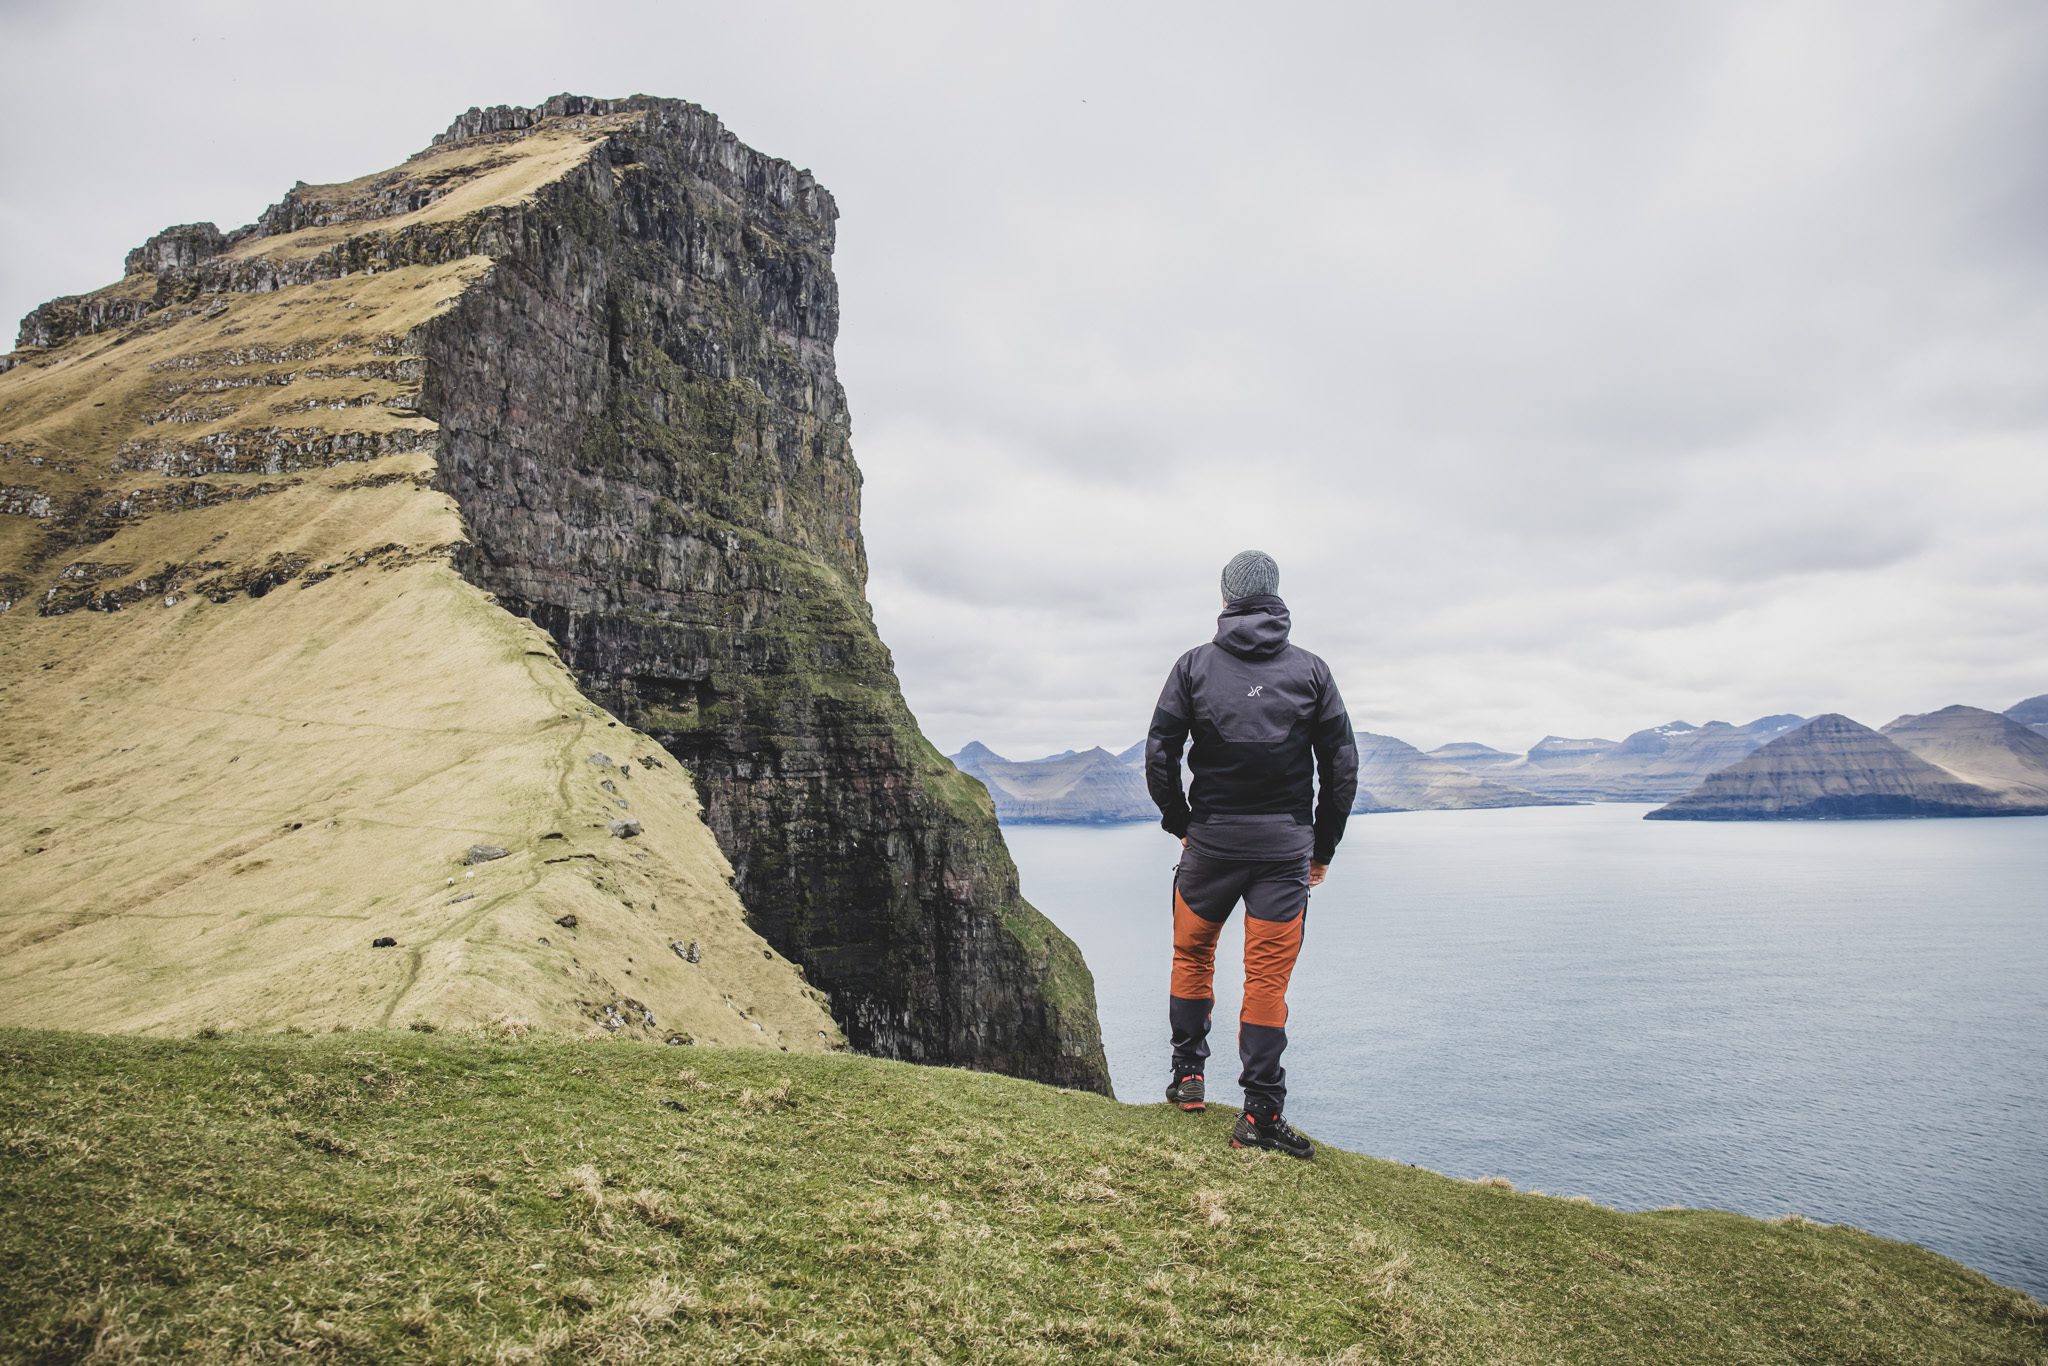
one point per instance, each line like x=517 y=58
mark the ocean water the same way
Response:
x=1846 y=1020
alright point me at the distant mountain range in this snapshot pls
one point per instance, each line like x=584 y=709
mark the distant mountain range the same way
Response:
x=1957 y=761
x=1653 y=765
x=1395 y=776
x=1091 y=787
x=2032 y=713
x=1095 y=787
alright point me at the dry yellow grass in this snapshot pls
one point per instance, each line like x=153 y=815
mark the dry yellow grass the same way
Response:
x=476 y=174
x=232 y=800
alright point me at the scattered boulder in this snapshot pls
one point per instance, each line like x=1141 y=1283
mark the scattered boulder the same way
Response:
x=484 y=853
x=676 y=1105
x=567 y=922
x=466 y=896
x=686 y=952
x=383 y=941
x=625 y=830
x=601 y=760
x=617 y=1015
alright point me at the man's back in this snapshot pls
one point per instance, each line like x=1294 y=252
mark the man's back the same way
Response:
x=1263 y=714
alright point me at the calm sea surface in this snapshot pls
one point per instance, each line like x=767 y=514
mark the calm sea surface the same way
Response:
x=1847 y=1020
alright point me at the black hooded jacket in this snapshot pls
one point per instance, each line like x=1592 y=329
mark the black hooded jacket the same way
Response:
x=1267 y=723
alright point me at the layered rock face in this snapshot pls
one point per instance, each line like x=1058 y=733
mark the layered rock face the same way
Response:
x=643 y=427
x=583 y=354
x=1831 y=769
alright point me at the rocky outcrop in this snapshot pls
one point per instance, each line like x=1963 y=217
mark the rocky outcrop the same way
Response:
x=1094 y=787
x=1833 y=769
x=175 y=249
x=1981 y=747
x=643 y=426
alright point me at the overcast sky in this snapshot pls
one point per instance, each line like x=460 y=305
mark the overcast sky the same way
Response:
x=1585 y=366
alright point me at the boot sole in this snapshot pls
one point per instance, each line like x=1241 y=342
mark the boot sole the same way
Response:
x=1195 y=1105
x=1274 y=1148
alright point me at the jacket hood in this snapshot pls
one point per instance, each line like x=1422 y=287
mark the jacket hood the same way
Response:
x=1254 y=627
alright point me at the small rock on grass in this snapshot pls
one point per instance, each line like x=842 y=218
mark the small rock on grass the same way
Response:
x=484 y=853
x=625 y=830
x=383 y=941
x=567 y=922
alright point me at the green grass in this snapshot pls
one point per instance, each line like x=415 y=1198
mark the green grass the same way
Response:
x=434 y=1197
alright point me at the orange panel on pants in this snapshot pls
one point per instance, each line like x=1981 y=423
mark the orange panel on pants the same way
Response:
x=1270 y=948
x=1206 y=891
x=1194 y=952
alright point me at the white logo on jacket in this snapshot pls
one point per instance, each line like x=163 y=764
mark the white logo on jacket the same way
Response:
x=1257 y=688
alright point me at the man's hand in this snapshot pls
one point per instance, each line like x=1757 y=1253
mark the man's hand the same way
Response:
x=1183 y=841
x=1316 y=873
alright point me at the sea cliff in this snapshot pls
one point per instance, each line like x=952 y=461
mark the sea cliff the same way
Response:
x=587 y=347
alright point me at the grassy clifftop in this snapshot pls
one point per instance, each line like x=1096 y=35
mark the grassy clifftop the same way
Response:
x=434 y=1197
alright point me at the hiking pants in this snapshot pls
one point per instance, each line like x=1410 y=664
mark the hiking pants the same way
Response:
x=1275 y=894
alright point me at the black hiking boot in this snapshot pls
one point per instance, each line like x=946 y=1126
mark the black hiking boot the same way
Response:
x=1186 y=1092
x=1275 y=1133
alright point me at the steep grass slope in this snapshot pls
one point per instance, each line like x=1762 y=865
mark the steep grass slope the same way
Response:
x=250 y=718
x=423 y=1197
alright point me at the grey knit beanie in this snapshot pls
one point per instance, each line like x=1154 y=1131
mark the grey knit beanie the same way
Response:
x=1250 y=573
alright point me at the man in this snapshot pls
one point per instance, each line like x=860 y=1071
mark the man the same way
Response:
x=1263 y=713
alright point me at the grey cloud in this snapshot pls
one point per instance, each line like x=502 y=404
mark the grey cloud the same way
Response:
x=1584 y=364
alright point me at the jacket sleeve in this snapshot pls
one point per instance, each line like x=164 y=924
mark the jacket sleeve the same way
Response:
x=1336 y=769
x=1163 y=745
